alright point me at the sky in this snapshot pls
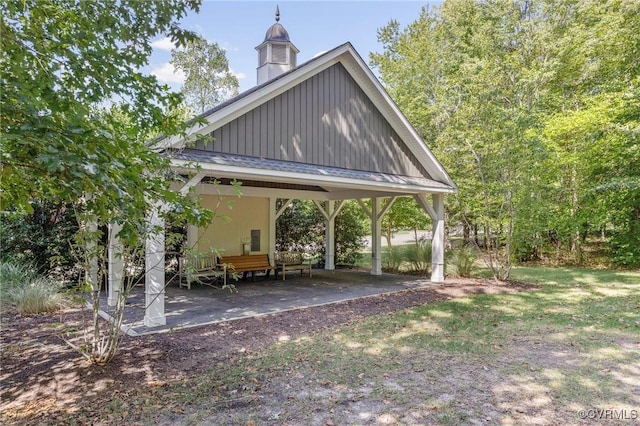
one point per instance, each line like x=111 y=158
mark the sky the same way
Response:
x=314 y=27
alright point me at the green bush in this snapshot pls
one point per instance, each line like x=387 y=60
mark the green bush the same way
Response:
x=301 y=227
x=21 y=287
x=42 y=238
x=463 y=259
x=625 y=249
x=419 y=256
x=12 y=275
x=392 y=259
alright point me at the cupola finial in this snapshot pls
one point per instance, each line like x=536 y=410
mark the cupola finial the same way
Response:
x=277 y=13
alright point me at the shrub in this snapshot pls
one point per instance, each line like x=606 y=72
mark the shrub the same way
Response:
x=301 y=227
x=42 y=238
x=38 y=296
x=392 y=259
x=31 y=294
x=419 y=256
x=463 y=259
x=12 y=275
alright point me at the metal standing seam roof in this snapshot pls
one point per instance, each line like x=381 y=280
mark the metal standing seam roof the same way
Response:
x=260 y=163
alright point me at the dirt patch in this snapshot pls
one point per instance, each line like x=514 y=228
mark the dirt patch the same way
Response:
x=42 y=378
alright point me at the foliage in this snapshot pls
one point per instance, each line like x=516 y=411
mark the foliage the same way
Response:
x=534 y=108
x=43 y=237
x=405 y=213
x=463 y=259
x=392 y=258
x=13 y=273
x=301 y=227
x=419 y=256
x=208 y=79
x=77 y=116
x=350 y=229
x=22 y=287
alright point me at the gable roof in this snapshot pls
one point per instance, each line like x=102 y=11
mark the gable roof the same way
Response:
x=355 y=66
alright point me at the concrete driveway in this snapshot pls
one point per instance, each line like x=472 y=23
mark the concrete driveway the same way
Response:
x=208 y=305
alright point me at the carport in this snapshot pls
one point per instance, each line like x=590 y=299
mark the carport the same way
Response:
x=325 y=131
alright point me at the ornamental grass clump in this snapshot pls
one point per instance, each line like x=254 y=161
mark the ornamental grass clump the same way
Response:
x=463 y=259
x=419 y=256
x=29 y=293
x=392 y=258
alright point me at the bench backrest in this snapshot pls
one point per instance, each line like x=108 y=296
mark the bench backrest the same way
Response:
x=289 y=257
x=199 y=261
x=295 y=258
x=247 y=261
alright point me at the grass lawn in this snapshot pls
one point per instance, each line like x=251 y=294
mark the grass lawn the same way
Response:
x=564 y=354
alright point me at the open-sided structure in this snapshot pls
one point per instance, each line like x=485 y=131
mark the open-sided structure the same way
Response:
x=325 y=130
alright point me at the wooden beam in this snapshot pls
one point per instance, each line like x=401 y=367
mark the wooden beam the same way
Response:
x=387 y=206
x=283 y=207
x=366 y=209
x=192 y=182
x=424 y=203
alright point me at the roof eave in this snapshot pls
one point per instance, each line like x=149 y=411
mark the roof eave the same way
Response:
x=241 y=172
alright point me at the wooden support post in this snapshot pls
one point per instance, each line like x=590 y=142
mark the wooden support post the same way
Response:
x=273 y=216
x=115 y=265
x=329 y=213
x=93 y=272
x=154 y=271
x=329 y=237
x=376 y=236
x=437 y=242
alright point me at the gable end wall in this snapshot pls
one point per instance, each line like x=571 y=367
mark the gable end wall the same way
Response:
x=326 y=120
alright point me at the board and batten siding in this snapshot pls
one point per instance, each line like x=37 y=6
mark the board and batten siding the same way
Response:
x=326 y=120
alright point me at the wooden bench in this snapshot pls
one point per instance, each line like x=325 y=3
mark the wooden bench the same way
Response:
x=248 y=263
x=193 y=267
x=294 y=261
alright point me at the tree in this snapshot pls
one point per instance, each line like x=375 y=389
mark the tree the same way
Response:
x=519 y=100
x=404 y=213
x=301 y=227
x=208 y=79
x=76 y=116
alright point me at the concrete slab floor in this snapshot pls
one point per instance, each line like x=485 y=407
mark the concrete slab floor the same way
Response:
x=203 y=304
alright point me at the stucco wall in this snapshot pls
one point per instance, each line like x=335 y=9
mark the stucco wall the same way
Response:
x=246 y=214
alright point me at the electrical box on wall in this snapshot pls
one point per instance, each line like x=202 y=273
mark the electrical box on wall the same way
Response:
x=255 y=240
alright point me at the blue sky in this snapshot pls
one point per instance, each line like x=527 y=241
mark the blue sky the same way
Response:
x=314 y=27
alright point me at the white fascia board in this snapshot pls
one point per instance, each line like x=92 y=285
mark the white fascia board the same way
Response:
x=240 y=173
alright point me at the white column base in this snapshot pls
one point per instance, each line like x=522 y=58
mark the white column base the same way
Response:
x=437 y=273
x=155 y=321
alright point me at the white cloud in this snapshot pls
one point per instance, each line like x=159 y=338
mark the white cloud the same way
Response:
x=163 y=44
x=167 y=73
x=239 y=75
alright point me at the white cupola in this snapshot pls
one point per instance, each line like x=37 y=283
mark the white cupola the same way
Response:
x=276 y=54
